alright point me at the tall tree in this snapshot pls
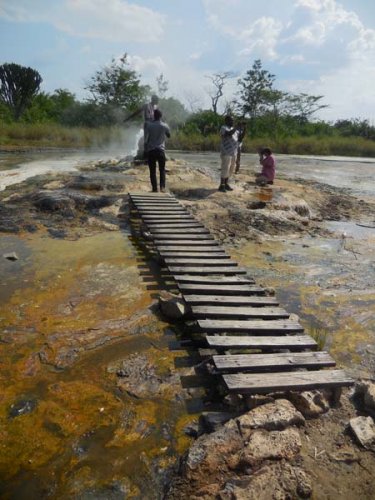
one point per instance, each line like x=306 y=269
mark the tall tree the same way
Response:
x=218 y=81
x=117 y=85
x=162 y=85
x=18 y=86
x=303 y=106
x=252 y=89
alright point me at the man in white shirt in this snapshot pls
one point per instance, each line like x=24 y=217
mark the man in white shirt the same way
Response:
x=155 y=134
x=228 y=152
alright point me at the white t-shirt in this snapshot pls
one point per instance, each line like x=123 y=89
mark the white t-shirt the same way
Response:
x=229 y=143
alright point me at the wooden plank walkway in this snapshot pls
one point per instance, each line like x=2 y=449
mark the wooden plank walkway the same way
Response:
x=231 y=312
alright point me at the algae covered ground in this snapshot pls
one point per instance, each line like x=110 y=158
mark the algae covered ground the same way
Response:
x=92 y=404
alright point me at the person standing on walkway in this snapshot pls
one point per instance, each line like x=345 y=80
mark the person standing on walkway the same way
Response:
x=155 y=134
x=228 y=152
x=147 y=111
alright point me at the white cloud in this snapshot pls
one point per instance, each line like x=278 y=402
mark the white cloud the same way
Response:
x=148 y=67
x=111 y=20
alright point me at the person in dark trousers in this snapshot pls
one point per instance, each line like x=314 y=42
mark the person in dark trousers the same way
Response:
x=241 y=131
x=155 y=134
x=228 y=153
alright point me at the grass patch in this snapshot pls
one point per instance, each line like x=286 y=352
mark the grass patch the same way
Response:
x=320 y=336
x=43 y=135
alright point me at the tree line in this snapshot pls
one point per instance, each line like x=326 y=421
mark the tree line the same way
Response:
x=116 y=90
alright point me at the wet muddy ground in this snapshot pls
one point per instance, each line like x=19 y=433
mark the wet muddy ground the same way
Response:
x=92 y=405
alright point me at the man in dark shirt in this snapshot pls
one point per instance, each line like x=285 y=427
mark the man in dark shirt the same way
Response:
x=155 y=135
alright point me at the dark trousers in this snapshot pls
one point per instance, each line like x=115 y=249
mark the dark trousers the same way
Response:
x=238 y=160
x=156 y=156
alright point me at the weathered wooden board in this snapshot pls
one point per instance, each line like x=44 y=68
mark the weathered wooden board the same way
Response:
x=261 y=342
x=253 y=383
x=144 y=201
x=186 y=230
x=202 y=255
x=272 y=361
x=157 y=211
x=167 y=217
x=225 y=261
x=183 y=236
x=215 y=280
x=250 y=326
x=188 y=242
x=230 y=300
x=220 y=289
x=158 y=206
x=215 y=311
x=173 y=225
x=154 y=202
x=196 y=249
x=206 y=270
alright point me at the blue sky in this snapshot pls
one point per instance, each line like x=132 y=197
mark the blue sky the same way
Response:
x=321 y=47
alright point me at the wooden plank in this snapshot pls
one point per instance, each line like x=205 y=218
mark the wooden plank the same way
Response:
x=195 y=249
x=206 y=270
x=230 y=300
x=271 y=361
x=253 y=383
x=173 y=225
x=150 y=194
x=184 y=236
x=215 y=311
x=250 y=326
x=220 y=289
x=174 y=230
x=183 y=243
x=202 y=255
x=167 y=217
x=142 y=199
x=212 y=280
x=261 y=342
x=168 y=221
x=225 y=261
x=157 y=211
x=153 y=203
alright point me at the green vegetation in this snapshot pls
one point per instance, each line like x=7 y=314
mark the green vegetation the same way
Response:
x=320 y=336
x=277 y=119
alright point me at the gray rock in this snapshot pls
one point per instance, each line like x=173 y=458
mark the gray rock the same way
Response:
x=365 y=391
x=270 y=416
x=276 y=481
x=364 y=430
x=310 y=403
x=11 y=256
x=172 y=306
x=274 y=445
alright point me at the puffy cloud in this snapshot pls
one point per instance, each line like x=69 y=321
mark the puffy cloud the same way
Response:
x=111 y=20
x=148 y=67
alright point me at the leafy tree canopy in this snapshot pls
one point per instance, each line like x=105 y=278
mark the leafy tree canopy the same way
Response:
x=117 y=85
x=18 y=86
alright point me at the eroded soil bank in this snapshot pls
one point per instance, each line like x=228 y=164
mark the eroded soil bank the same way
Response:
x=92 y=404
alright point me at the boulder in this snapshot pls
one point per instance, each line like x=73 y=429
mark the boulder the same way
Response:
x=11 y=256
x=213 y=452
x=271 y=445
x=270 y=416
x=53 y=201
x=364 y=430
x=277 y=481
x=310 y=403
x=172 y=306
x=365 y=391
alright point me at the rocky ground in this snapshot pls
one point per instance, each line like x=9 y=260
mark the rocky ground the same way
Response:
x=282 y=446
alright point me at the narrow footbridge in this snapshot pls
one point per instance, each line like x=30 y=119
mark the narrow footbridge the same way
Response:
x=256 y=347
